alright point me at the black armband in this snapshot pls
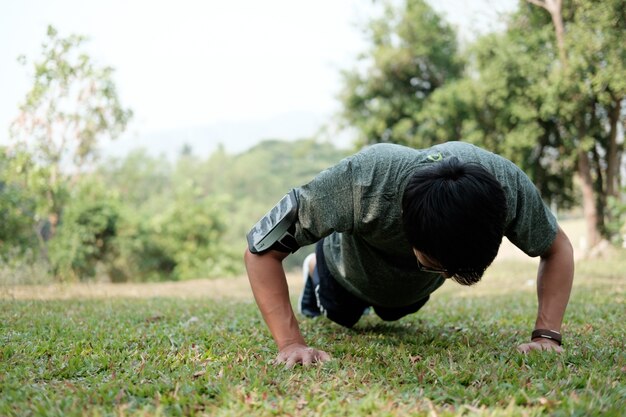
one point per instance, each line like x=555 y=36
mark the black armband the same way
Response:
x=276 y=230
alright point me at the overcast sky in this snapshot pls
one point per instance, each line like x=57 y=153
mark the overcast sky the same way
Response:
x=196 y=63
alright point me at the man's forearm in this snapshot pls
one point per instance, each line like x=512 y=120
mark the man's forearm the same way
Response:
x=269 y=286
x=554 y=283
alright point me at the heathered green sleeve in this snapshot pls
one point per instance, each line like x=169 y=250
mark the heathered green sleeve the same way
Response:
x=326 y=205
x=533 y=227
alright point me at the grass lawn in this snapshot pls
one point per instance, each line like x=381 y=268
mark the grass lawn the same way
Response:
x=193 y=349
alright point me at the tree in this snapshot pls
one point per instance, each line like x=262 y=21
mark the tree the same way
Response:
x=507 y=104
x=138 y=177
x=548 y=93
x=17 y=205
x=183 y=240
x=72 y=105
x=589 y=39
x=87 y=234
x=413 y=53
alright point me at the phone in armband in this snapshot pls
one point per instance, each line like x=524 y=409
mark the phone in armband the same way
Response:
x=272 y=231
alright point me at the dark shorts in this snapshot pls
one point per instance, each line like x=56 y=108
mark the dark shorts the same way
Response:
x=344 y=308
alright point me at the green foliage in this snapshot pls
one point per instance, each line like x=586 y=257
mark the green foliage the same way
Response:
x=521 y=95
x=72 y=105
x=137 y=177
x=17 y=210
x=560 y=107
x=102 y=235
x=87 y=230
x=190 y=231
x=413 y=53
x=142 y=218
x=617 y=224
x=135 y=218
x=142 y=257
x=188 y=219
x=508 y=108
x=206 y=356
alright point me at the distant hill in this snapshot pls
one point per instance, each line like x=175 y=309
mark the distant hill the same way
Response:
x=235 y=137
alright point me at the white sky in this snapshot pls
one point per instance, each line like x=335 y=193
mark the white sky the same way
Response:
x=192 y=62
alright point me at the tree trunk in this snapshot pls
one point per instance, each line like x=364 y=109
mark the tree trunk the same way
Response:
x=613 y=154
x=554 y=7
x=599 y=190
x=589 y=203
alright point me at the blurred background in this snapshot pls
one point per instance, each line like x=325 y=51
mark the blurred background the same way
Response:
x=141 y=140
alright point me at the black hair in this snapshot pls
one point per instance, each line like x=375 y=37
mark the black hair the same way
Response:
x=454 y=212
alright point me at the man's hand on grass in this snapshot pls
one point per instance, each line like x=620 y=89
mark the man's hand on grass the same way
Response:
x=540 y=344
x=298 y=353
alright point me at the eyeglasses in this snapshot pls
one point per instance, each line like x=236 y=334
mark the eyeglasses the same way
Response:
x=431 y=269
x=443 y=271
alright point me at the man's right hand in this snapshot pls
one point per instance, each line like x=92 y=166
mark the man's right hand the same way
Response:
x=296 y=353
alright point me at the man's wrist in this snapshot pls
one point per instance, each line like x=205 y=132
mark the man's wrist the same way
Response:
x=290 y=342
x=547 y=334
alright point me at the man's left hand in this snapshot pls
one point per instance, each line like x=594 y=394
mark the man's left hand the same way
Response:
x=540 y=344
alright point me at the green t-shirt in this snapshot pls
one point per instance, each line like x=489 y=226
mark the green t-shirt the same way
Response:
x=357 y=205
